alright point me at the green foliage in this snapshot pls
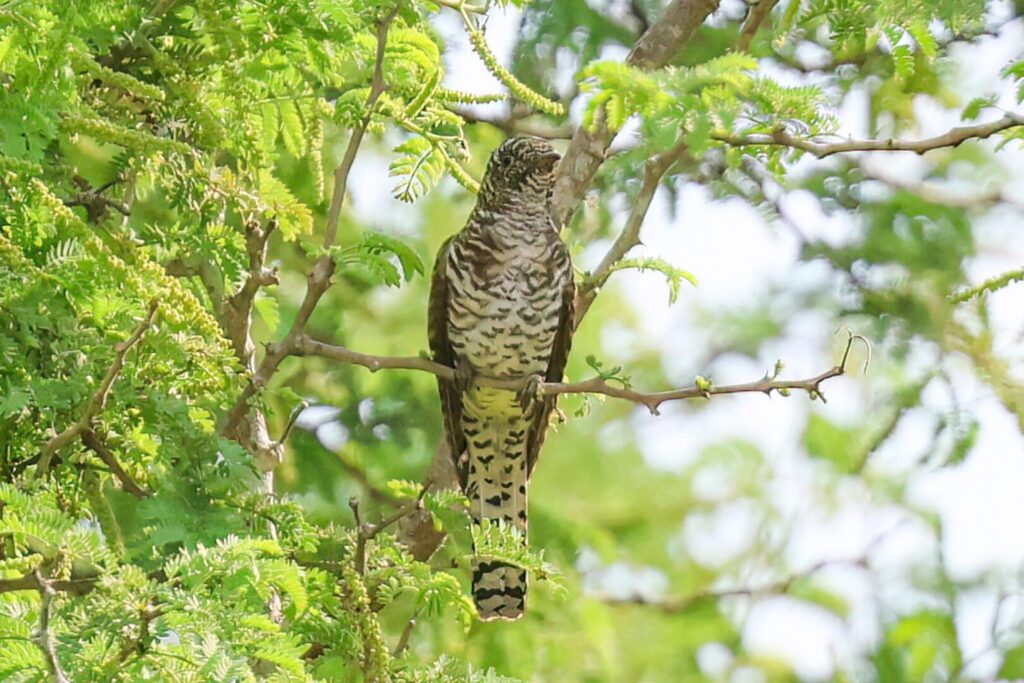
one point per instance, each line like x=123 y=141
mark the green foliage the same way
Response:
x=674 y=277
x=146 y=149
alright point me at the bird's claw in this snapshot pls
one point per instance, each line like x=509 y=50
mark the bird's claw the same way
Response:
x=531 y=393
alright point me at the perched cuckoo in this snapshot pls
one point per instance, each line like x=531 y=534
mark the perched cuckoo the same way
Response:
x=501 y=307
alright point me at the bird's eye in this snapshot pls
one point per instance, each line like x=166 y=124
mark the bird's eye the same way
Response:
x=505 y=161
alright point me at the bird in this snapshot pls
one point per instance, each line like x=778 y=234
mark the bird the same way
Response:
x=501 y=308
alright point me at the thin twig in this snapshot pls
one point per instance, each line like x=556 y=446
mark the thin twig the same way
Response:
x=98 y=400
x=403 y=640
x=377 y=87
x=42 y=637
x=595 y=385
x=654 y=170
x=292 y=419
x=758 y=13
x=951 y=138
x=360 y=555
x=367 y=532
x=97 y=445
x=685 y=602
x=460 y=5
x=516 y=125
x=30 y=582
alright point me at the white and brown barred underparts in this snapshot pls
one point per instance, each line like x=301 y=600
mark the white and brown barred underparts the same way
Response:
x=501 y=307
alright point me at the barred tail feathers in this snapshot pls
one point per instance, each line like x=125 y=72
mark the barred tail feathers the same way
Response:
x=496 y=488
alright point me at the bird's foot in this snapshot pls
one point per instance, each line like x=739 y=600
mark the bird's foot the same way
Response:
x=531 y=393
x=464 y=375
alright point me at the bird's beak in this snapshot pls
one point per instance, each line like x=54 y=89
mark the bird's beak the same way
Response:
x=546 y=162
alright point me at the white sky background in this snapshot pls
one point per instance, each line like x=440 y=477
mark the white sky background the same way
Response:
x=736 y=256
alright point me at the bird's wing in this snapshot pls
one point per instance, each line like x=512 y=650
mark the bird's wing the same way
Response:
x=437 y=334
x=556 y=368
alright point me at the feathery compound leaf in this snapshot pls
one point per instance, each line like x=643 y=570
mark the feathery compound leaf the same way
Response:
x=419 y=168
x=496 y=540
x=622 y=91
x=292 y=129
x=283 y=650
x=377 y=254
x=293 y=217
x=674 y=276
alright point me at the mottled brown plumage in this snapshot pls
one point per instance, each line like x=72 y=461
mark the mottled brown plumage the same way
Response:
x=501 y=306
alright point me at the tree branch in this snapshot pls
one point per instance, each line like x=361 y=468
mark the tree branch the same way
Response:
x=515 y=125
x=377 y=87
x=98 y=400
x=655 y=48
x=94 y=443
x=367 y=532
x=403 y=640
x=654 y=170
x=952 y=138
x=250 y=430
x=460 y=5
x=42 y=637
x=596 y=385
x=30 y=582
x=758 y=13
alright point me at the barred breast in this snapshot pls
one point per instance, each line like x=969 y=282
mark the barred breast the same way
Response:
x=506 y=286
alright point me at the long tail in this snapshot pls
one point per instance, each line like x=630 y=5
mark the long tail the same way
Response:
x=496 y=488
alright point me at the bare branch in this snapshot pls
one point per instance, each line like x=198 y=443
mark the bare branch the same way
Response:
x=682 y=603
x=292 y=419
x=595 y=385
x=937 y=194
x=42 y=637
x=237 y=314
x=305 y=346
x=654 y=170
x=952 y=138
x=97 y=445
x=655 y=48
x=759 y=11
x=98 y=400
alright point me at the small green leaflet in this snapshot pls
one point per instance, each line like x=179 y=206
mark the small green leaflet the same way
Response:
x=419 y=168
x=376 y=254
x=293 y=217
x=674 y=276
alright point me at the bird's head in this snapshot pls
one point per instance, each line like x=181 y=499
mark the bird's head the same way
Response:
x=523 y=169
